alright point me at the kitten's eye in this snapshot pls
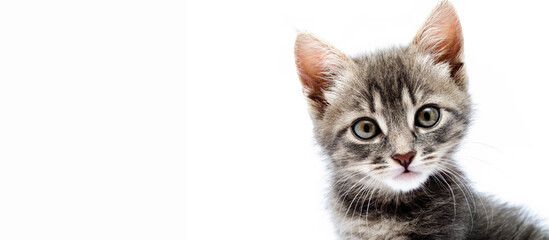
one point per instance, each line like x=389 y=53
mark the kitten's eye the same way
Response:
x=365 y=129
x=427 y=116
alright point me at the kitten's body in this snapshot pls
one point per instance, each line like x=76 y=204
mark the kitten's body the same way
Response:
x=400 y=182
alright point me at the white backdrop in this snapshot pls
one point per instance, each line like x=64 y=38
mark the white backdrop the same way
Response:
x=91 y=119
x=252 y=169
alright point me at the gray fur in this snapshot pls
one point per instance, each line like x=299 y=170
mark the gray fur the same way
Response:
x=389 y=86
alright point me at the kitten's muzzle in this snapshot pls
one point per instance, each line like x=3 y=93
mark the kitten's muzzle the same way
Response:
x=404 y=159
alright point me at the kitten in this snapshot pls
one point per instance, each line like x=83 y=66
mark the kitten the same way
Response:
x=389 y=123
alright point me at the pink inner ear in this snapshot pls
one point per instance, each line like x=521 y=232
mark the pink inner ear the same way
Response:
x=317 y=62
x=311 y=56
x=441 y=34
x=310 y=67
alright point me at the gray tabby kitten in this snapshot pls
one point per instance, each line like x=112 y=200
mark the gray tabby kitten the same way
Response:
x=389 y=123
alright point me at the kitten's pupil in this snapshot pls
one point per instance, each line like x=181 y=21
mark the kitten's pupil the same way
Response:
x=367 y=128
x=426 y=116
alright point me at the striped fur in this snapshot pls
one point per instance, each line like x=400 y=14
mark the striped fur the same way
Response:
x=371 y=196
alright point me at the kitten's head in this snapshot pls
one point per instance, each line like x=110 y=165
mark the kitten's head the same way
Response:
x=391 y=118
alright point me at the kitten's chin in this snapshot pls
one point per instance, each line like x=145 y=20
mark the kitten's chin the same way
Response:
x=406 y=181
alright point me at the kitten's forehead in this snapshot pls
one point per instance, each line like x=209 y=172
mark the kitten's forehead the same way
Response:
x=399 y=79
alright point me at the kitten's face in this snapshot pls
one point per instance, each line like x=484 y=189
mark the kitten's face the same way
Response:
x=391 y=119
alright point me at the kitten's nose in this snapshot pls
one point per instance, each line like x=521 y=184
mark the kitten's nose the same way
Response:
x=404 y=159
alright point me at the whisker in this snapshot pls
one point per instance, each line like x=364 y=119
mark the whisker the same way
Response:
x=436 y=175
x=449 y=175
x=368 y=208
x=367 y=192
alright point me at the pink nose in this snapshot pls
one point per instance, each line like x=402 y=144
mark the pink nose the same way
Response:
x=404 y=159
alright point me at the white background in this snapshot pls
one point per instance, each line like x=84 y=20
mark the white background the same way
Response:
x=95 y=120
x=91 y=119
x=252 y=169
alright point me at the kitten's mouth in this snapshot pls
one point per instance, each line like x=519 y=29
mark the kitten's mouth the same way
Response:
x=406 y=179
x=407 y=175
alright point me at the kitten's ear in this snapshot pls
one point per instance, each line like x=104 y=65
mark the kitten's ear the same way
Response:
x=441 y=36
x=317 y=65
